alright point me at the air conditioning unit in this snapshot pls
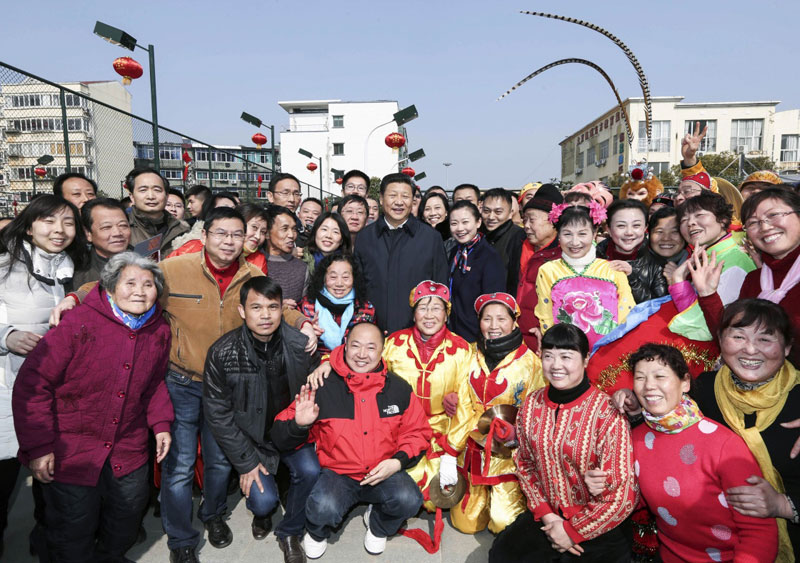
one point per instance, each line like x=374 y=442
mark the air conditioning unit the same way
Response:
x=234 y=182
x=578 y=171
x=741 y=149
x=227 y=165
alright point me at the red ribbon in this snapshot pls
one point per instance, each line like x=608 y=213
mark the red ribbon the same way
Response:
x=430 y=543
x=504 y=431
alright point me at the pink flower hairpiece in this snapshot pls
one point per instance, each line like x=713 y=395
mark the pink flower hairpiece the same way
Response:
x=597 y=212
x=556 y=212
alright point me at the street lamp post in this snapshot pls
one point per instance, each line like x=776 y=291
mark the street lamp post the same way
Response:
x=43 y=160
x=319 y=158
x=118 y=37
x=400 y=118
x=446 y=166
x=413 y=157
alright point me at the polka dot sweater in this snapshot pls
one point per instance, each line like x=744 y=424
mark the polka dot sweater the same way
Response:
x=682 y=478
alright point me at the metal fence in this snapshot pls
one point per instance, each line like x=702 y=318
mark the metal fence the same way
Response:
x=47 y=128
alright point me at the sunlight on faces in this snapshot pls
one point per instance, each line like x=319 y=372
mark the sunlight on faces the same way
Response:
x=780 y=237
x=175 y=207
x=363 y=347
x=136 y=290
x=53 y=233
x=434 y=212
x=563 y=368
x=657 y=386
x=256 y=233
x=463 y=225
x=753 y=353
x=430 y=314
x=223 y=241
x=640 y=194
x=309 y=212
x=666 y=239
x=496 y=320
x=538 y=227
x=396 y=201
x=701 y=227
x=627 y=229
x=194 y=204
x=355 y=185
x=261 y=314
x=467 y=194
x=282 y=234
x=355 y=216
x=149 y=195
x=576 y=239
x=287 y=193
x=687 y=189
x=77 y=191
x=495 y=212
x=111 y=232
x=339 y=278
x=328 y=237
x=754 y=187
x=374 y=209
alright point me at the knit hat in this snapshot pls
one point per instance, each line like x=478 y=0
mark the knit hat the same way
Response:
x=765 y=176
x=545 y=197
x=528 y=187
x=430 y=288
x=502 y=298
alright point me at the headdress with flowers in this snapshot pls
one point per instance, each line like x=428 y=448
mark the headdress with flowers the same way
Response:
x=597 y=213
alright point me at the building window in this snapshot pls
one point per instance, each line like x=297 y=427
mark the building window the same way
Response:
x=170 y=174
x=659 y=141
x=602 y=152
x=746 y=133
x=590 y=156
x=789 y=148
x=579 y=160
x=169 y=153
x=202 y=175
x=659 y=167
x=338 y=121
x=709 y=142
x=338 y=149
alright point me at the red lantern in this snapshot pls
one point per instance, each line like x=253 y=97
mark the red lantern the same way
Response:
x=41 y=172
x=395 y=141
x=128 y=69
x=408 y=171
x=259 y=140
x=311 y=166
x=339 y=181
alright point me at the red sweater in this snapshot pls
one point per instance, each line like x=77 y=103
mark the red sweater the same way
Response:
x=526 y=290
x=558 y=443
x=712 y=305
x=682 y=478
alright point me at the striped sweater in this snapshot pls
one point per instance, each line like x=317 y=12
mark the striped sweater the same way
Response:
x=558 y=443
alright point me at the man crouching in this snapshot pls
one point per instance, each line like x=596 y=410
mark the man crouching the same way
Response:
x=368 y=425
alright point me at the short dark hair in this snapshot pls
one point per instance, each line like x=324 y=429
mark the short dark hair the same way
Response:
x=58 y=183
x=439 y=189
x=575 y=215
x=273 y=211
x=105 y=202
x=501 y=193
x=312 y=200
x=173 y=191
x=471 y=187
x=198 y=190
x=466 y=204
x=433 y=195
x=347 y=244
x=581 y=198
x=220 y=213
x=659 y=215
x=708 y=201
x=350 y=198
x=281 y=176
x=130 y=178
x=782 y=193
x=565 y=336
x=355 y=174
x=397 y=178
x=251 y=210
x=317 y=282
x=664 y=354
x=262 y=285
x=760 y=312
x=125 y=201
x=622 y=204
x=211 y=202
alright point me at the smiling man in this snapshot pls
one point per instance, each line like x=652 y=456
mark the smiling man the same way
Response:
x=284 y=267
x=148 y=217
x=75 y=188
x=396 y=252
x=502 y=233
x=109 y=233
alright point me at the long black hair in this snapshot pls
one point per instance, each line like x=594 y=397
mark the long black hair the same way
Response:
x=42 y=207
x=317 y=282
x=346 y=246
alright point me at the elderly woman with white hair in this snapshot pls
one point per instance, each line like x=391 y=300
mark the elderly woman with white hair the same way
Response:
x=83 y=403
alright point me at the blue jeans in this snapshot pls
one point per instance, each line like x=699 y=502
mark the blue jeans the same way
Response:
x=178 y=467
x=304 y=472
x=393 y=501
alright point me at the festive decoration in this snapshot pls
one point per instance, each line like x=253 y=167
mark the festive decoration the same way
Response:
x=311 y=166
x=40 y=172
x=260 y=179
x=500 y=297
x=259 y=139
x=597 y=212
x=339 y=181
x=640 y=175
x=408 y=171
x=637 y=173
x=186 y=161
x=592 y=65
x=128 y=69
x=430 y=288
x=596 y=190
x=394 y=141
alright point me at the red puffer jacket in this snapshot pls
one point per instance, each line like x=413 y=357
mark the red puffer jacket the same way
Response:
x=526 y=292
x=364 y=418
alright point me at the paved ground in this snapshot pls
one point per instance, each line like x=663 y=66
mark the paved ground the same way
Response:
x=345 y=547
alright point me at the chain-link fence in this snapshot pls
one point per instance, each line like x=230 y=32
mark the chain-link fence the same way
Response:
x=47 y=128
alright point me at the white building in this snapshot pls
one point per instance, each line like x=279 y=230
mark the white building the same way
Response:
x=345 y=135
x=600 y=149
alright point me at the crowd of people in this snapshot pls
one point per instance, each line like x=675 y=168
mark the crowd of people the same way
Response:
x=588 y=376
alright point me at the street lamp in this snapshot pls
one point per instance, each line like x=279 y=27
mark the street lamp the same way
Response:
x=400 y=118
x=319 y=158
x=43 y=160
x=446 y=166
x=118 y=37
x=413 y=157
x=420 y=176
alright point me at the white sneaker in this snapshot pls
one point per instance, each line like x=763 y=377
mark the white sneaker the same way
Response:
x=372 y=543
x=314 y=549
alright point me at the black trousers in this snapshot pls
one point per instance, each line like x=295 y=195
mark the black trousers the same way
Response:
x=97 y=523
x=525 y=542
x=9 y=470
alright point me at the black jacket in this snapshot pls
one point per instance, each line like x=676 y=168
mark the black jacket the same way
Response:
x=646 y=279
x=394 y=262
x=507 y=240
x=235 y=394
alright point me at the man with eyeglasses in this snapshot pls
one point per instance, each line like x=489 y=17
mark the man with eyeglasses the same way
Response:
x=355 y=182
x=284 y=190
x=354 y=209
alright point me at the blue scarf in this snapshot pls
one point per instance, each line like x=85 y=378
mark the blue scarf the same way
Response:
x=334 y=333
x=133 y=322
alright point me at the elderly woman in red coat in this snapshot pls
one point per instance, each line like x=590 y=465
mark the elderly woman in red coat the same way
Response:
x=83 y=403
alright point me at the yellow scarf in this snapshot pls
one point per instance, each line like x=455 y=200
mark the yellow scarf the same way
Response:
x=767 y=402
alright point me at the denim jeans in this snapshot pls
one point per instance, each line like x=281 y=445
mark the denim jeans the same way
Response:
x=178 y=467
x=97 y=523
x=393 y=501
x=304 y=472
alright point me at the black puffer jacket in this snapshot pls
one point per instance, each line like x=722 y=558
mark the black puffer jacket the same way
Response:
x=235 y=394
x=647 y=279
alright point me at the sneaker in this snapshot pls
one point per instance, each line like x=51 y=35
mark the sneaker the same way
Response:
x=219 y=533
x=372 y=543
x=314 y=549
x=183 y=555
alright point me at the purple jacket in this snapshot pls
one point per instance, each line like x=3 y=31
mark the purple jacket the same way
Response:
x=89 y=391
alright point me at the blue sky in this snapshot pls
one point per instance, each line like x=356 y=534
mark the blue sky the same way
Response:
x=450 y=59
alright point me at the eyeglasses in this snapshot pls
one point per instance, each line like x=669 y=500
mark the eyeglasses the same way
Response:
x=222 y=235
x=289 y=194
x=356 y=187
x=690 y=191
x=768 y=220
x=435 y=309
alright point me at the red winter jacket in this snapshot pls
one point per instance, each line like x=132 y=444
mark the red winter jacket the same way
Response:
x=526 y=291
x=364 y=418
x=89 y=391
